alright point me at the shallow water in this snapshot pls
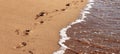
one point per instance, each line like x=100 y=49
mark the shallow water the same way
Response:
x=99 y=33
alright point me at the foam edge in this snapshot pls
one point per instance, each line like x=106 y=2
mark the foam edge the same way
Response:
x=63 y=34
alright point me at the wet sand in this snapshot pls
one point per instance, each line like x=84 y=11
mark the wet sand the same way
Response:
x=32 y=27
x=99 y=33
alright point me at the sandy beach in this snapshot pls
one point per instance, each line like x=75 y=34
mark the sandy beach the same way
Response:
x=32 y=27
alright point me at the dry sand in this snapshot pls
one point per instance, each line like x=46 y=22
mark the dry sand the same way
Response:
x=25 y=30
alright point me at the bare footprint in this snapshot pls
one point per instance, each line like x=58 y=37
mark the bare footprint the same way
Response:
x=68 y=4
x=30 y=52
x=41 y=22
x=26 y=32
x=22 y=33
x=21 y=45
x=17 y=31
x=82 y=1
x=40 y=15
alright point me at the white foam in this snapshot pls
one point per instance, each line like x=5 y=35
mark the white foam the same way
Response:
x=63 y=34
x=90 y=1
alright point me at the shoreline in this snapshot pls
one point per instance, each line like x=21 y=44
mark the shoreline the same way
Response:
x=98 y=33
x=63 y=34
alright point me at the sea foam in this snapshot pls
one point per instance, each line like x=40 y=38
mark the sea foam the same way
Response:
x=63 y=34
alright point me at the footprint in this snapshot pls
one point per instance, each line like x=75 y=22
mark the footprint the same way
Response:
x=21 y=45
x=56 y=10
x=63 y=9
x=23 y=33
x=30 y=52
x=41 y=14
x=82 y=1
x=67 y=4
x=26 y=32
x=41 y=22
x=17 y=31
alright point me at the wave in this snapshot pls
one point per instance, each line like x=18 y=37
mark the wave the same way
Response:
x=63 y=34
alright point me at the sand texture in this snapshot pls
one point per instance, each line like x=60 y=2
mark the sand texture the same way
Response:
x=32 y=26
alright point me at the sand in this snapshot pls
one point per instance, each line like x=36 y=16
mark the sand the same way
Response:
x=32 y=27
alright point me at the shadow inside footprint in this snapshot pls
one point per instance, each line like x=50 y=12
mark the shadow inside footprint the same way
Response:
x=23 y=43
x=30 y=52
x=41 y=22
x=67 y=4
x=63 y=9
x=82 y=1
x=40 y=15
x=26 y=32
